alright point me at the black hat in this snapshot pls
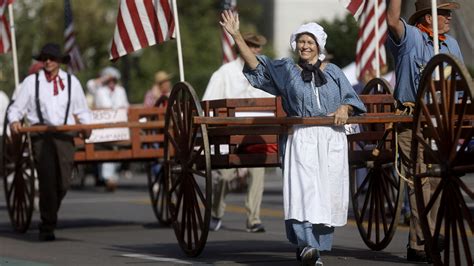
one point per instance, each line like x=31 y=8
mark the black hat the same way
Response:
x=52 y=50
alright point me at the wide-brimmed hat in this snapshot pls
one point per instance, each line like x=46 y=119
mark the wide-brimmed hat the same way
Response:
x=162 y=76
x=52 y=51
x=255 y=39
x=424 y=6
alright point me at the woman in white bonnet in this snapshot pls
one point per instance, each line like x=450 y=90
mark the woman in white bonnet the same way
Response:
x=315 y=168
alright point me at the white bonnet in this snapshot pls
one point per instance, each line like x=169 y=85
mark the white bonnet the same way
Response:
x=318 y=32
x=110 y=71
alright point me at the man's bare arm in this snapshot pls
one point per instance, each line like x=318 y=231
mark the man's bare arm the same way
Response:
x=395 y=25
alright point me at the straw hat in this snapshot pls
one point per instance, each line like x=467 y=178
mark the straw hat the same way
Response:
x=162 y=76
x=424 y=6
x=255 y=39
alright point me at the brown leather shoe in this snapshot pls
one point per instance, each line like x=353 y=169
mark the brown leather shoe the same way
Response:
x=46 y=236
x=418 y=256
x=110 y=186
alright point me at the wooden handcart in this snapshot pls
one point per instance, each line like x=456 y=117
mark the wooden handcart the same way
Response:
x=145 y=144
x=443 y=122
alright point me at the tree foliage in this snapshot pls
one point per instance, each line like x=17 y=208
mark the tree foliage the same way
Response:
x=41 y=21
x=342 y=39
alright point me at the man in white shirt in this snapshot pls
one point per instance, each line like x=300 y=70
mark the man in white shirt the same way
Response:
x=229 y=82
x=4 y=101
x=50 y=97
x=108 y=94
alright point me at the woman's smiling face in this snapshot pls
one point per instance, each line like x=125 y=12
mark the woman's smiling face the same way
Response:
x=307 y=48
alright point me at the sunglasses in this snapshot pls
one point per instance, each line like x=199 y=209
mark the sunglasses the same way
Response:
x=445 y=12
x=50 y=58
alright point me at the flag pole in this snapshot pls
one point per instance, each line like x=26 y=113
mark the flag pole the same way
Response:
x=377 y=55
x=13 y=39
x=434 y=14
x=178 y=41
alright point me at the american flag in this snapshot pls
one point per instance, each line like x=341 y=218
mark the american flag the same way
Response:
x=141 y=23
x=364 y=12
x=70 y=46
x=228 y=52
x=5 y=42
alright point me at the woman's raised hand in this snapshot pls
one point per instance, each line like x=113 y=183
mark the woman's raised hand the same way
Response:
x=230 y=22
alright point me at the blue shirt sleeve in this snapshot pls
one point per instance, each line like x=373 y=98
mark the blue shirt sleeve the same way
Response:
x=348 y=95
x=269 y=75
x=453 y=47
x=411 y=36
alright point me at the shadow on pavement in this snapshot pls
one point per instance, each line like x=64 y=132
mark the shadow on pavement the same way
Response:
x=241 y=252
x=363 y=254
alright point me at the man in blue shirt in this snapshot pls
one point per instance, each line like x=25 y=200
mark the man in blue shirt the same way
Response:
x=412 y=47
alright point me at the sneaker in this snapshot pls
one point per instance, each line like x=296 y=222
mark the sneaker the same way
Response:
x=309 y=256
x=319 y=262
x=46 y=236
x=215 y=224
x=418 y=256
x=256 y=228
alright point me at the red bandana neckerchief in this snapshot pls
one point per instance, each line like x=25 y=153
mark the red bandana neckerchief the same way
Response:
x=423 y=28
x=50 y=78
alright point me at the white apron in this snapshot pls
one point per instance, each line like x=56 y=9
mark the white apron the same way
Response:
x=316 y=175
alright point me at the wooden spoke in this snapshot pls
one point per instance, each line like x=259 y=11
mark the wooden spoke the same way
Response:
x=454 y=123
x=19 y=177
x=194 y=155
x=430 y=124
x=427 y=148
x=434 y=197
x=198 y=190
x=173 y=142
x=199 y=173
x=366 y=202
x=175 y=123
x=458 y=130
x=157 y=192
x=376 y=196
x=191 y=215
x=175 y=184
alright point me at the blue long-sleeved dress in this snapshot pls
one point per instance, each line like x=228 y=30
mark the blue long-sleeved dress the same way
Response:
x=315 y=171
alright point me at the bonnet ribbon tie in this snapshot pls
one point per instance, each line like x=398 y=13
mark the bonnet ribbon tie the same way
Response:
x=309 y=69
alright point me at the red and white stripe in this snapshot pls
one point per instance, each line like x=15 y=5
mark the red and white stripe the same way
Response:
x=370 y=35
x=356 y=7
x=140 y=24
x=5 y=38
x=228 y=51
x=70 y=47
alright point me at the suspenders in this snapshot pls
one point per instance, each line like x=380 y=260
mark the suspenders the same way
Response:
x=38 y=108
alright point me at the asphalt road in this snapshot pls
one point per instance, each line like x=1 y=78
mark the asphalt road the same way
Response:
x=100 y=228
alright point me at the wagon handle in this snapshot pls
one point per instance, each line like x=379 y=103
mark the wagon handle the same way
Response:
x=82 y=127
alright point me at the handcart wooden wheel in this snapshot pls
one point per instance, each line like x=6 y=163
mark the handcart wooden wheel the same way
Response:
x=376 y=190
x=157 y=191
x=443 y=127
x=18 y=172
x=188 y=170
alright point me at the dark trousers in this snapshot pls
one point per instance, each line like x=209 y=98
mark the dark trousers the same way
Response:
x=54 y=160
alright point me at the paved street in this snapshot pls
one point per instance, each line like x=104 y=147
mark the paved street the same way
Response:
x=100 y=228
